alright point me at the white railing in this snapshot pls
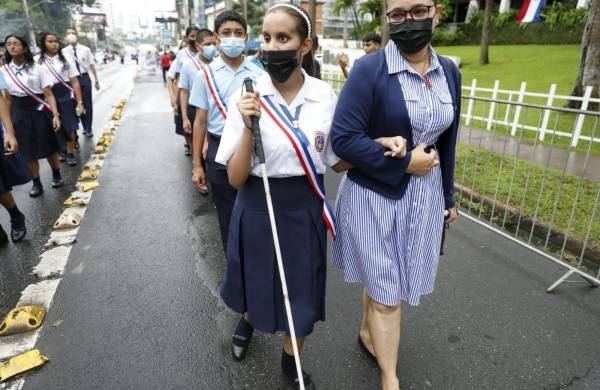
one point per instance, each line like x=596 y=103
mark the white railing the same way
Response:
x=512 y=115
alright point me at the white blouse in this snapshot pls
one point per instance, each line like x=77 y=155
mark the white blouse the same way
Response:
x=32 y=76
x=317 y=101
x=65 y=71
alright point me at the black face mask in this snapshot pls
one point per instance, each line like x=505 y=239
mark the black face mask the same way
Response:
x=280 y=63
x=412 y=35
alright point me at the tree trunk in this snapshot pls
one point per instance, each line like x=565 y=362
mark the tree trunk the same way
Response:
x=312 y=12
x=385 y=32
x=589 y=67
x=484 y=57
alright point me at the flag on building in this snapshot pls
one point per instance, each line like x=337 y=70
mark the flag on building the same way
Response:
x=530 y=11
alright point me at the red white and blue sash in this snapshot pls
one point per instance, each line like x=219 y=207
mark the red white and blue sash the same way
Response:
x=41 y=103
x=196 y=61
x=301 y=147
x=213 y=88
x=59 y=79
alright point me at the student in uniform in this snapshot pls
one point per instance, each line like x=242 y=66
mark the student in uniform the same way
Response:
x=293 y=100
x=210 y=93
x=371 y=44
x=34 y=112
x=12 y=172
x=84 y=63
x=184 y=55
x=63 y=72
x=390 y=210
x=206 y=51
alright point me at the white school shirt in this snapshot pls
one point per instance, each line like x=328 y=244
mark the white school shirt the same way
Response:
x=183 y=57
x=65 y=71
x=32 y=76
x=188 y=73
x=318 y=105
x=85 y=58
x=172 y=74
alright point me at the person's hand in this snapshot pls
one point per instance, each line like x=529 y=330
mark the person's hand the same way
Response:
x=422 y=162
x=10 y=145
x=55 y=122
x=453 y=215
x=199 y=178
x=343 y=60
x=205 y=150
x=97 y=85
x=396 y=146
x=249 y=106
x=187 y=126
x=174 y=105
x=79 y=110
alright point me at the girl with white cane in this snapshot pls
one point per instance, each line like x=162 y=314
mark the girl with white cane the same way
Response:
x=297 y=111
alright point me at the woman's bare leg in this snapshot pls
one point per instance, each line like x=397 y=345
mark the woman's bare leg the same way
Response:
x=365 y=335
x=384 y=327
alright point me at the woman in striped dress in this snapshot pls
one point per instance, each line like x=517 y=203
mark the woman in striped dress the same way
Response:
x=390 y=210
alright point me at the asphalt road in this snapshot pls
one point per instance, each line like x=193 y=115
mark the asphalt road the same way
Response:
x=16 y=261
x=140 y=308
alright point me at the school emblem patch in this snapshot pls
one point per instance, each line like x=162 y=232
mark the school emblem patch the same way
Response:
x=319 y=141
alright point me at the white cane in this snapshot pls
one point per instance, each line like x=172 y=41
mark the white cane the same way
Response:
x=260 y=154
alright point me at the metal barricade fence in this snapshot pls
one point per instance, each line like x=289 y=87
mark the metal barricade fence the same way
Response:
x=541 y=192
x=544 y=195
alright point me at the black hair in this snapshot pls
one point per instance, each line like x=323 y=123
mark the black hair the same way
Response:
x=230 y=16
x=301 y=17
x=71 y=28
x=203 y=33
x=44 y=50
x=191 y=29
x=372 y=37
x=25 y=44
x=315 y=40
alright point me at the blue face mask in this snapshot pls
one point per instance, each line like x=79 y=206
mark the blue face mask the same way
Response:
x=210 y=52
x=232 y=47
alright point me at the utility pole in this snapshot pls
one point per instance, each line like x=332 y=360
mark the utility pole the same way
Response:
x=245 y=8
x=32 y=40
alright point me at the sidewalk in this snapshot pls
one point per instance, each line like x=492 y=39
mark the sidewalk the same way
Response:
x=140 y=305
x=508 y=146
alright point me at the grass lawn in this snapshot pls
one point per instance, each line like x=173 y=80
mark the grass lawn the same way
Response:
x=532 y=190
x=539 y=66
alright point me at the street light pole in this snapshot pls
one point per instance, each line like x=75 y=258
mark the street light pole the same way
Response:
x=32 y=40
x=312 y=12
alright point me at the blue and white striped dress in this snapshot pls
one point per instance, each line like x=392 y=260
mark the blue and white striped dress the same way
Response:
x=393 y=246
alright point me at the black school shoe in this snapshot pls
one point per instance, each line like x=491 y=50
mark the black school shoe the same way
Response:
x=71 y=160
x=36 y=191
x=18 y=229
x=288 y=367
x=57 y=183
x=241 y=340
x=3 y=237
x=62 y=157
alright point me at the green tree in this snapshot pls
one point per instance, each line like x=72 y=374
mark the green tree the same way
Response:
x=349 y=5
x=256 y=13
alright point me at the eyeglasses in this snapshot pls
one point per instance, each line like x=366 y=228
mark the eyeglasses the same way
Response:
x=419 y=12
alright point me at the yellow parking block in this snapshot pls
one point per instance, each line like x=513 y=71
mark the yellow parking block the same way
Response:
x=22 y=319
x=21 y=363
x=88 y=186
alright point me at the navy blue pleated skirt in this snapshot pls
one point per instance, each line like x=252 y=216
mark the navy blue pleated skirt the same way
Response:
x=13 y=169
x=179 y=119
x=252 y=284
x=66 y=108
x=33 y=129
x=68 y=116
